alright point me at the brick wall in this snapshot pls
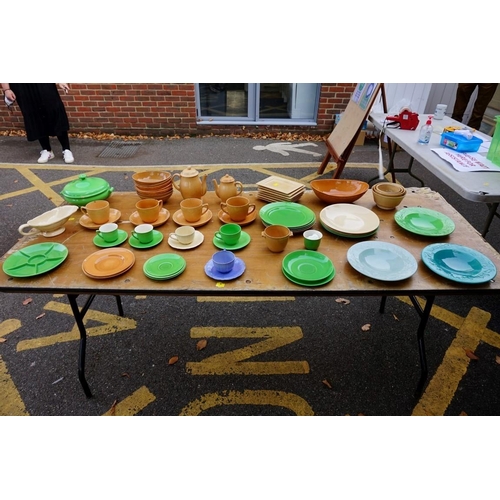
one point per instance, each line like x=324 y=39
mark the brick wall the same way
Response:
x=164 y=109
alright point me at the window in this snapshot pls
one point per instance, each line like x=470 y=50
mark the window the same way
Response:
x=266 y=103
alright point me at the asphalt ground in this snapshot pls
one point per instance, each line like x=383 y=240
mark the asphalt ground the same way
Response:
x=316 y=364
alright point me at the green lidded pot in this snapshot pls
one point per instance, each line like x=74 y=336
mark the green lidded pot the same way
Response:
x=494 y=151
x=86 y=189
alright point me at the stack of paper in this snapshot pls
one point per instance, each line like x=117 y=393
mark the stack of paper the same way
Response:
x=276 y=188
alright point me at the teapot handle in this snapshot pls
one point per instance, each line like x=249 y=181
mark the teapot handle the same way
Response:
x=176 y=186
x=33 y=230
x=239 y=188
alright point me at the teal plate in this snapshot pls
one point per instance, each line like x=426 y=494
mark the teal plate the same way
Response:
x=459 y=263
x=99 y=242
x=242 y=242
x=164 y=266
x=307 y=266
x=35 y=260
x=157 y=239
x=424 y=221
x=287 y=213
x=382 y=261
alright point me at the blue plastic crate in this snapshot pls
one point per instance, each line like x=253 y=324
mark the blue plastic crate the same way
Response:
x=460 y=143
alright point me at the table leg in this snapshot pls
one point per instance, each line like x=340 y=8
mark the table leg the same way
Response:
x=83 y=342
x=492 y=212
x=424 y=316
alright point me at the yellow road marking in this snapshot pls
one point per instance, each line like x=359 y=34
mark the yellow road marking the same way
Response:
x=444 y=383
x=112 y=324
x=11 y=402
x=243 y=299
x=264 y=398
x=41 y=186
x=9 y=326
x=133 y=404
x=232 y=362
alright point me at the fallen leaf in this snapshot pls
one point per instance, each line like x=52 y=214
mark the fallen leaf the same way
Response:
x=112 y=410
x=27 y=301
x=463 y=414
x=125 y=374
x=395 y=317
x=201 y=344
x=327 y=384
x=470 y=354
x=40 y=316
x=2 y=340
x=173 y=360
x=343 y=301
x=497 y=359
x=366 y=327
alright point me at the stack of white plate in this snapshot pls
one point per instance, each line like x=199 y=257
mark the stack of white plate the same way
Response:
x=349 y=221
x=276 y=188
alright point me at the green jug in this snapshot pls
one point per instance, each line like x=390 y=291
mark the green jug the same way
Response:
x=494 y=151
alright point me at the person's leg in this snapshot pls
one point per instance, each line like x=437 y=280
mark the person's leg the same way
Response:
x=485 y=94
x=67 y=154
x=45 y=143
x=464 y=92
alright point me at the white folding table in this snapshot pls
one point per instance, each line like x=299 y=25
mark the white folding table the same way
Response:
x=481 y=187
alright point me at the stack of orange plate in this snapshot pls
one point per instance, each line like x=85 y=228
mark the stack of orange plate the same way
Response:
x=153 y=184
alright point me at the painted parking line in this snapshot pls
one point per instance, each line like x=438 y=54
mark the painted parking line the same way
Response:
x=132 y=404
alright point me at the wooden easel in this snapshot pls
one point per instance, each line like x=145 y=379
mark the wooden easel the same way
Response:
x=343 y=137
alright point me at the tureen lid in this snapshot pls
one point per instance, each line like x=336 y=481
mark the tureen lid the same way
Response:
x=84 y=187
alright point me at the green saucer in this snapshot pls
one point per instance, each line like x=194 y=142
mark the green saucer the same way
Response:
x=307 y=266
x=122 y=236
x=242 y=242
x=157 y=238
x=164 y=266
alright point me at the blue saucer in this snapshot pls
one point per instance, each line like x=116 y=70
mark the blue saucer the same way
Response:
x=236 y=271
x=99 y=242
x=157 y=239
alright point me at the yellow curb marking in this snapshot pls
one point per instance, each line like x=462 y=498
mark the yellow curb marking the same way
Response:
x=231 y=362
x=112 y=324
x=441 y=389
x=11 y=402
x=243 y=299
x=9 y=326
x=266 y=398
x=133 y=404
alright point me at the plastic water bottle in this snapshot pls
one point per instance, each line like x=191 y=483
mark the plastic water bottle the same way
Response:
x=425 y=132
x=494 y=151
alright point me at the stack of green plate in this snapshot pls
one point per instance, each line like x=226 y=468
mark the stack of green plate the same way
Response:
x=296 y=217
x=308 y=268
x=164 y=266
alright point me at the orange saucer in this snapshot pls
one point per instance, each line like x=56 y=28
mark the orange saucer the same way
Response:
x=87 y=222
x=108 y=263
x=162 y=218
x=179 y=219
x=223 y=217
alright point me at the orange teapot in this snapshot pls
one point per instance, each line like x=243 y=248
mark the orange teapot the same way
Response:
x=189 y=183
x=227 y=188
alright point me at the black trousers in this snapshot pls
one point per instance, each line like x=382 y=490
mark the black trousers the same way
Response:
x=63 y=139
x=485 y=93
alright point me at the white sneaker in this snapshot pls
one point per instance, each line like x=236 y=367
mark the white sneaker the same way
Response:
x=68 y=156
x=45 y=156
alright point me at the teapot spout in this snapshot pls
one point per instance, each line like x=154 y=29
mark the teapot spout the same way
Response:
x=204 y=184
x=216 y=187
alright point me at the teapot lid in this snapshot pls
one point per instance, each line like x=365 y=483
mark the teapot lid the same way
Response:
x=85 y=187
x=227 y=178
x=189 y=172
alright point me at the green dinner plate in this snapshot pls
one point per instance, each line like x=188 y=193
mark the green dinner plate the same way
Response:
x=287 y=213
x=424 y=221
x=35 y=259
x=164 y=266
x=307 y=266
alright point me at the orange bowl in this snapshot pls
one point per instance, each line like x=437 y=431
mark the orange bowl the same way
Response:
x=339 y=190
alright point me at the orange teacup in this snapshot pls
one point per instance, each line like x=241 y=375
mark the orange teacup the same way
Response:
x=149 y=209
x=238 y=208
